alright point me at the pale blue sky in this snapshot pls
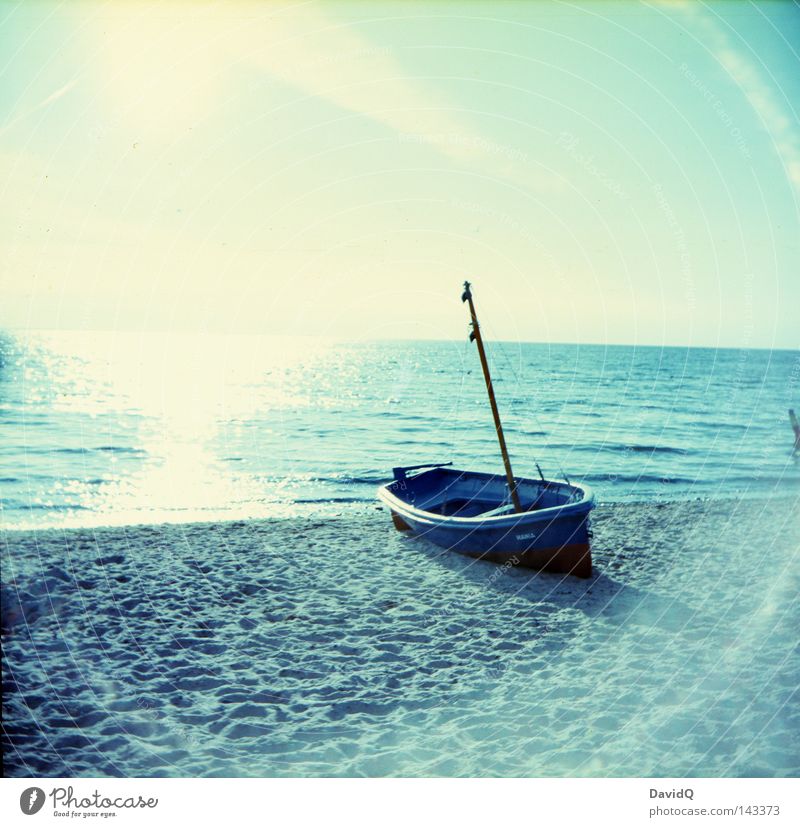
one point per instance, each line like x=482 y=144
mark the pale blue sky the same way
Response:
x=602 y=172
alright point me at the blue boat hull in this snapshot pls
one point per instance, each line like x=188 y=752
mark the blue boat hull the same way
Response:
x=467 y=512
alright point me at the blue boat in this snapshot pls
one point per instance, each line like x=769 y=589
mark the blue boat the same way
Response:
x=537 y=523
x=471 y=513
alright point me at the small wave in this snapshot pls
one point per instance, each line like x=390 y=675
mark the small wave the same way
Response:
x=719 y=426
x=643 y=449
x=26 y=421
x=640 y=478
x=618 y=448
x=429 y=443
x=311 y=500
x=410 y=417
x=82 y=451
x=53 y=480
x=356 y=480
x=120 y=449
x=19 y=506
x=790 y=478
x=106 y=449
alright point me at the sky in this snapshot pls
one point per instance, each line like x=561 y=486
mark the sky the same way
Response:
x=601 y=172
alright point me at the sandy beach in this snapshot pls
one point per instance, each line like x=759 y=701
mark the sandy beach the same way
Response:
x=336 y=646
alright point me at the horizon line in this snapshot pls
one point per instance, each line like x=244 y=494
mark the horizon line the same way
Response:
x=339 y=338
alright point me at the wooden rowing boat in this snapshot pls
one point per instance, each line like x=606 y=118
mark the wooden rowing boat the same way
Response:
x=537 y=523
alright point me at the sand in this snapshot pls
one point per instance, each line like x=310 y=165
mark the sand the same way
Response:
x=336 y=646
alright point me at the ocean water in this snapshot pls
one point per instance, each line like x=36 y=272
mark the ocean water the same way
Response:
x=125 y=428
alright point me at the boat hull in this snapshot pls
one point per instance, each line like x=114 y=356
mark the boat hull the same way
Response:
x=552 y=538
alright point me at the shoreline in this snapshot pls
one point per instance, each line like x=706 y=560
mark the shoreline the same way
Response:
x=329 y=509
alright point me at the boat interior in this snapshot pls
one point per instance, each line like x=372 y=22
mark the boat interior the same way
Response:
x=453 y=493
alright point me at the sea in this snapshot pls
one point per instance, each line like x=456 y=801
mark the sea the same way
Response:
x=115 y=428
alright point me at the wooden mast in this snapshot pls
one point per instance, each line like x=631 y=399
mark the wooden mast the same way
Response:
x=475 y=335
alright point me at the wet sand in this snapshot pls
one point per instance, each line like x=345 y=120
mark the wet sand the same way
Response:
x=336 y=646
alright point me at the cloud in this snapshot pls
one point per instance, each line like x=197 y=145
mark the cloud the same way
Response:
x=758 y=87
x=168 y=66
x=335 y=62
x=60 y=92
